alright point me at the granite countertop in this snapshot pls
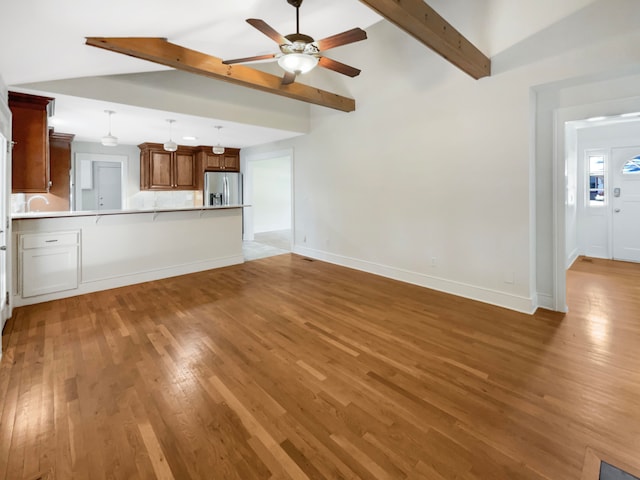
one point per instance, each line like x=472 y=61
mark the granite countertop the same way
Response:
x=92 y=213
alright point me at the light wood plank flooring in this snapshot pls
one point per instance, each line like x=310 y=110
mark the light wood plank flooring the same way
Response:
x=284 y=368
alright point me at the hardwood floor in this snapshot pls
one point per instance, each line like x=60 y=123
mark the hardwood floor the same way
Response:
x=288 y=368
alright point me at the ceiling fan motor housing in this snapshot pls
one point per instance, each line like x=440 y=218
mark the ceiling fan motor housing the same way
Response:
x=300 y=43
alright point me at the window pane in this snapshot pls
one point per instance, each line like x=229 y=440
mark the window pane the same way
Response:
x=632 y=167
x=596 y=164
x=596 y=174
x=596 y=181
x=596 y=197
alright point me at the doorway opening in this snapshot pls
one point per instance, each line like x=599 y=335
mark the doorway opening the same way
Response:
x=268 y=189
x=598 y=203
x=603 y=185
x=100 y=182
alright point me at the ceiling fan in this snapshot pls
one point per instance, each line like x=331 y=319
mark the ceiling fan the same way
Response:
x=300 y=53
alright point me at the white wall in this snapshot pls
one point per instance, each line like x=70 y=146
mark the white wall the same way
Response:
x=428 y=181
x=271 y=196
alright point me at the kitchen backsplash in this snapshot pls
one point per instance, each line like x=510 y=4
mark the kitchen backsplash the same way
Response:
x=141 y=200
x=178 y=199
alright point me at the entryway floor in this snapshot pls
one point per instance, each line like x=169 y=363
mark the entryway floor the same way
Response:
x=267 y=244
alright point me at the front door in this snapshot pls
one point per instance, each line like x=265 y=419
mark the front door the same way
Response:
x=108 y=190
x=625 y=201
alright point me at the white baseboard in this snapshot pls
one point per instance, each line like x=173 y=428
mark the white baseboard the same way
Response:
x=546 y=301
x=572 y=258
x=131 y=279
x=481 y=294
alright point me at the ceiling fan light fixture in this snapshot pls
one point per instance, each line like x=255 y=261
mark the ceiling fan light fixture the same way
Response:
x=218 y=149
x=109 y=140
x=298 y=63
x=170 y=146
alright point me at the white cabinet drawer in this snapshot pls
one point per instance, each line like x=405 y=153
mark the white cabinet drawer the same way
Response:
x=46 y=240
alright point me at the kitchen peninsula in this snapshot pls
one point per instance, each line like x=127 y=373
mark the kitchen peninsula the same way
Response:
x=63 y=254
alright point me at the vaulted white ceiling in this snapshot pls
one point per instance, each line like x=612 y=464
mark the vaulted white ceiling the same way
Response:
x=44 y=41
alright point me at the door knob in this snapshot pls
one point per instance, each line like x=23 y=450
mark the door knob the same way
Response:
x=617 y=210
x=3 y=248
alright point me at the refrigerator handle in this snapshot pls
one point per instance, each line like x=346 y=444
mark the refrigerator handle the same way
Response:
x=206 y=191
x=226 y=191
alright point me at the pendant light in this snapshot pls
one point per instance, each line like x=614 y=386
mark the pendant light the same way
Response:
x=218 y=149
x=171 y=146
x=109 y=140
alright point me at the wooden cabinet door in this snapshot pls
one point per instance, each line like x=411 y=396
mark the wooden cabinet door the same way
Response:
x=232 y=163
x=160 y=170
x=213 y=162
x=60 y=159
x=30 y=155
x=185 y=171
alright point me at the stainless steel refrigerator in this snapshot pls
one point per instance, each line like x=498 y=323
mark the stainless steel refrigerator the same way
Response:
x=222 y=188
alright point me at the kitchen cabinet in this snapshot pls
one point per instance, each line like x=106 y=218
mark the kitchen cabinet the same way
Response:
x=48 y=262
x=229 y=161
x=30 y=134
x=162 y=170
x=60 y=160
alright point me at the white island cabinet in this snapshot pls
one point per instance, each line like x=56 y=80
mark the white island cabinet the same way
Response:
x=48 y=262
x=62 y=254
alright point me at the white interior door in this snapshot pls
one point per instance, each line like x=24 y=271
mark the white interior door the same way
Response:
x=625 y=201
x=3 y=232
x=107 y=186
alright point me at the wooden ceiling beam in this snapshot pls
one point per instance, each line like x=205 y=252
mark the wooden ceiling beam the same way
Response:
x=159 y=50
x=425 y=24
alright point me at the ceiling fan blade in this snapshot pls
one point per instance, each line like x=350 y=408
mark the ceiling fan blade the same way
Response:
x=336 y=66
x=288 y=78
x=344 y=38
x=250 y=59
x=267 y=30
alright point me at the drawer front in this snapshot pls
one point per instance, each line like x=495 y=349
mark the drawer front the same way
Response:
x=49 y=270
x=44 y=240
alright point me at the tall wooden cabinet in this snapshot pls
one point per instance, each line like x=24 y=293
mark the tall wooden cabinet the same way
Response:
x=60 y=160
x=162 y=170
x=30 y=133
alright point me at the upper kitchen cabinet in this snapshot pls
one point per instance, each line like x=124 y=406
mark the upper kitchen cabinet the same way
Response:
x=162 y=170
x=30 y=134
x=229 y=161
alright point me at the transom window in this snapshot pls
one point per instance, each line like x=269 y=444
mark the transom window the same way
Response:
x=596 y=164
x=632 y=167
